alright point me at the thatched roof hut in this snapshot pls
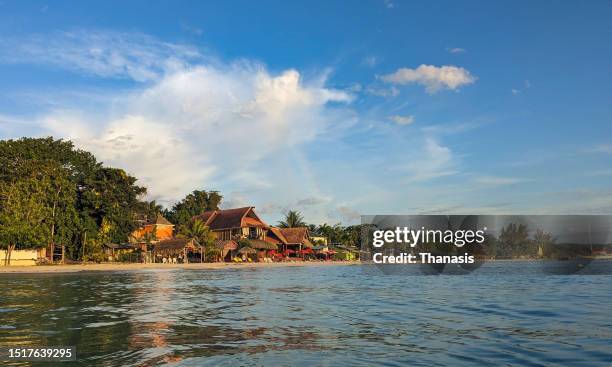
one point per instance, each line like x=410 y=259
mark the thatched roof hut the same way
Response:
x=297 y=236
x=226 y=245
x=176 y=246
x=247 y=250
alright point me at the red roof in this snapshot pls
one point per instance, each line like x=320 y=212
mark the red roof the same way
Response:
x=231 y=218
x=274 y=235
x=297 y=235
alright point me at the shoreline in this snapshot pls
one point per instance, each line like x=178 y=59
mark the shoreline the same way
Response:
x=111 y=267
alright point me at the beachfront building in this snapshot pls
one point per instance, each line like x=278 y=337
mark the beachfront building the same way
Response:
x=153 y=231
x=25 y=257
x=234 y=224
x=317 y=239
x=297 y=241
x=178 y=250
x=236 y=228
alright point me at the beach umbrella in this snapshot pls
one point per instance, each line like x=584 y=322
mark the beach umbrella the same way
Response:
x=247 y=250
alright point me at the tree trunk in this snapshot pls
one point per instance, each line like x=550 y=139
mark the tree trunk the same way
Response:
x=84 y=242
x=63 y=253
x=9 y=250
x=53 y=234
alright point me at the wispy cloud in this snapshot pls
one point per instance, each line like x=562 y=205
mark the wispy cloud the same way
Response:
x=389 y=4
x=435 y=161
x=402 y=120
x=370 y=61
x=106 y=54
x=498 y=181
x=191 y=29
x=382 y=92
x=602 y=148
x=433 y=78
x=456 y=50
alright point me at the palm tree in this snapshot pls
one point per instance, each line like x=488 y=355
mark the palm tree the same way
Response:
x=292 y=219
x=196 y=230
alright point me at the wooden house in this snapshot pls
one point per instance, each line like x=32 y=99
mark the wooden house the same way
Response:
x=178 y=249
x=158 y=230
x=234 y=224
x=296 y=238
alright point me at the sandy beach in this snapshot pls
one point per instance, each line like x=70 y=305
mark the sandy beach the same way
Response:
x=135 y=267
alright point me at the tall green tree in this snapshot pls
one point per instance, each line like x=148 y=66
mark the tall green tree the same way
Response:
x=23 y=210
x=80 y=193
x=292 y=219
x=193 y=204
x=114 y=196
x=514 y=242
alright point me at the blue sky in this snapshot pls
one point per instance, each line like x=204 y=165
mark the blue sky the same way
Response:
x=332 y=108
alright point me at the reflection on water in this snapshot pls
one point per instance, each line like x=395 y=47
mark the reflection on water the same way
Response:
x=304 y=316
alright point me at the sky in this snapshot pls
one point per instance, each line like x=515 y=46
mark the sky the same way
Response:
x=333 y=108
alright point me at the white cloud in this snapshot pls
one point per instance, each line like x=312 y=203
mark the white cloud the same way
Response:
x=515 y=92
x=433 y=78
x=402 y=120
x=105 y=54
x=202 y=126
x=383 y=92
x=456 y=50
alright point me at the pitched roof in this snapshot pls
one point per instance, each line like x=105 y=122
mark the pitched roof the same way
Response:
x=162 y=221
x=297 y=235
x=175 y=244
x=230 y=218
x=226 y=244
x=274 y=235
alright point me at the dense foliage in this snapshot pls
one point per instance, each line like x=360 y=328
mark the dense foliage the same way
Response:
x=53 y=193
x=292 y=219
x=193 y=204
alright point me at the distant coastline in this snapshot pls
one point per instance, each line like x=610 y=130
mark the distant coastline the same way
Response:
x=111 y=267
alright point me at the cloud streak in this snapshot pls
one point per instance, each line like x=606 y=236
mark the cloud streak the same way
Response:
x=402 y=120
x=134 y=56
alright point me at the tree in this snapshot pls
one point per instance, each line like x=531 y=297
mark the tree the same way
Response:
x=23 y=211
x=292 y=219
x=545 y=242
x=514 y=241
x=79 y=195
x=59 y=198
x=196 y=230
x=150 y=209
x=193 y=204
